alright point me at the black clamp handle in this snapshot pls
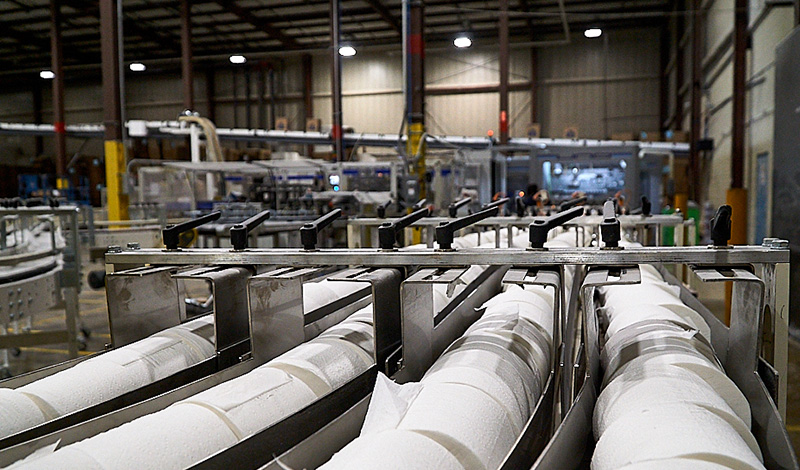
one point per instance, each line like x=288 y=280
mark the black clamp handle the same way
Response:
x=239 y=232
x=519 y=207
x=53 y=202
x=721 y=226
x=453 y=208
x=171 y=234
x=382 y=208
x=498 y=203
x=35 y=202
x=445 y=230
x=645 y=210
x=387 y=232
x=570 y=203
x=610 y=231
x=310 y=231
x=542 y=226
x=419 y=205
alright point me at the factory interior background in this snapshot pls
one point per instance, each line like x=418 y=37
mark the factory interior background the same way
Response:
x=550 y=233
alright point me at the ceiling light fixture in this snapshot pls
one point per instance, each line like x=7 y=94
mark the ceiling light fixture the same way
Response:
x=593 y=33
x=47 y=74
x=347 y=51
x=137 y=67
x=237 y=59
x=462 y=41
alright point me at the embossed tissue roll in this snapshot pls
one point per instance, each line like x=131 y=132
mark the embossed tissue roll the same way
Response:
x=171 y=438
x=624 y=396
x=121 y=370
x=635 y=313
x=393 y=450
x=66 y=458
x=672 y=431
x=18 y=412
x=255 y=400
x=317 y=294
x=695 y=370
x=465 y=420
x=324 y=364
x=672 y=464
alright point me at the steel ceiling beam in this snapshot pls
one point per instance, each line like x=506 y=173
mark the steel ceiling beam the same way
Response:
x=259 y=23
x=384 y=13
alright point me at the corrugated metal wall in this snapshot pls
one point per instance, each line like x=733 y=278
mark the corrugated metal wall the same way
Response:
x=601 y=90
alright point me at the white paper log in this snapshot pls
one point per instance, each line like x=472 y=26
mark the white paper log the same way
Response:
x=324 y=364
x=344 y=288
x=631 y=314
x=67 y=458
x=173 y=438
x=473 y=421
x=256 y=400
x=669 y=432
x=692 y=317
x=507 y=366
x=393 y=450
x=624 y=396
x=686 y=366
x=317 y=294
x=659 y=358
x=18 y=412
x=672 y=464
x=355 y=332
x=514 y=401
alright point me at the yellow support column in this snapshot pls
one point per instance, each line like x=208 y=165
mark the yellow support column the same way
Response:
x=115 y=177
x=415 y=149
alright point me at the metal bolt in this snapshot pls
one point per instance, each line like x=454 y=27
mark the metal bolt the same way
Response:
x=114 y=249
x=778 y=243
x=768 y=241
x=133 y=245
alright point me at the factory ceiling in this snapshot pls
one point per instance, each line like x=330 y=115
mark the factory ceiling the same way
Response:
x=152 y=27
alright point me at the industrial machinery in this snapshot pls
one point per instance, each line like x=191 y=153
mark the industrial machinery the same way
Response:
x=426 y=303
x=40 y=269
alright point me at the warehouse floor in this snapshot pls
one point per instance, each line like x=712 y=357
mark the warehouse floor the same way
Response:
x=94 y=317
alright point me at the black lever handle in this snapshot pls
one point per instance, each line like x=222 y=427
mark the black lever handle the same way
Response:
x=454 y=207
x=387 y=232
x=53 y=202
x=382 y=208
x=445 y=230
x=541 y=226
x=497 y=203
x=239 y=231
x=419 y=205
x=519 y=207
x=171 y=234
x=647 y=207
x=570 y=203
x=721 y=226
x=34 y=202
x=610 y=228
x=310 y=231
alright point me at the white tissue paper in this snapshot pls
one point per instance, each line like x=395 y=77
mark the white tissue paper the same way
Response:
x=628 y=315
x=344 y=288
x=691 y=317
x=465 y=420
x=507 y=367
x=672 y=464
x=625 y=396
x=18 y=412
x=388 y=404
x=717 y=380
x=323 y=364
x=175 y=437
x=317 y=294
x=672 y=431
x=66 y=458
x=355 y=332
x=393 y=450
x=255 y=400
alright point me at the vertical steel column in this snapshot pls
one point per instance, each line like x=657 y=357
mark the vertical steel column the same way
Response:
x=663 y=102
x=534 y=79
x=111 y=52
x=37 y=116
x=262 y=89
x=186 y=55
x=740 y=38
x=308 y=95
x=211 y=91
x=680 y=59
x=272 y=97
x=247 y=101
x=504 y=53
x=57 y=59
x=336 y=81
x=697 y=95
x=415 y=93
